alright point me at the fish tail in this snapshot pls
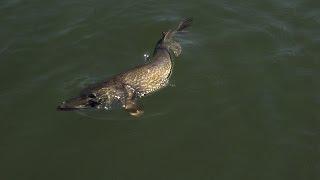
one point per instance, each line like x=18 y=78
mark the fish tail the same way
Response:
x=185 y=23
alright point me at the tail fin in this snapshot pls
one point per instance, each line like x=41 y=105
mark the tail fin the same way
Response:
x=167 y=40
x=181 y=26
x=184 y=24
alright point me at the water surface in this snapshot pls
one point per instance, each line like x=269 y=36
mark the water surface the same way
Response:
x=244 y=101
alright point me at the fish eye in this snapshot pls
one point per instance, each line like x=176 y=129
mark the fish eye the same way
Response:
x=93 y=103
x=92 y=95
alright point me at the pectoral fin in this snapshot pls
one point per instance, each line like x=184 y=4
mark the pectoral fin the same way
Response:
x=133 y=108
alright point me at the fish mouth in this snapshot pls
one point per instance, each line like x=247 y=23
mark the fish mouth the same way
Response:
x=65 y=106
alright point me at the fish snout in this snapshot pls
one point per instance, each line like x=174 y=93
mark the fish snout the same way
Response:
x=75 y=104
x=65 y=107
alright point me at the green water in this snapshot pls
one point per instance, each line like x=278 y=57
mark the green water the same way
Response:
x=243 y=102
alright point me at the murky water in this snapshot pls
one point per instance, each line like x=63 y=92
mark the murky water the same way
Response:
x=243 y=102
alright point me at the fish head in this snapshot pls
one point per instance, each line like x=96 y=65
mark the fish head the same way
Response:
x=84 y=101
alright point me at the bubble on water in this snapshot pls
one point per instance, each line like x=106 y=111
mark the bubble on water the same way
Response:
x=146 y=56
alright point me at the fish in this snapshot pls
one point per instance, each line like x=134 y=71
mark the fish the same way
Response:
x=126 y=88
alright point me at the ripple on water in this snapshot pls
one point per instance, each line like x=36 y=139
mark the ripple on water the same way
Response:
x=5 y=48
x=286 y=52
x=9 y=3
x=119 y=114
x=80 y=82
x=314 y=15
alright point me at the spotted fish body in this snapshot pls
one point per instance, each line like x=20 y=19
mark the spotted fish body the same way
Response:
x=125 y=88
x=150 y=77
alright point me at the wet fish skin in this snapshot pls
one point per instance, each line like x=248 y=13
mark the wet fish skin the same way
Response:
x=127 y=87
